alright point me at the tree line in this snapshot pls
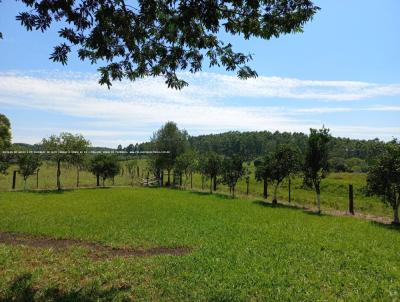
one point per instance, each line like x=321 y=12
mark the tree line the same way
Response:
x=282 y=161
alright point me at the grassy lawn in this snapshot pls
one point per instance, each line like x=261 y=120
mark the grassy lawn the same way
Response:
x=334 y=187
x=242 y=250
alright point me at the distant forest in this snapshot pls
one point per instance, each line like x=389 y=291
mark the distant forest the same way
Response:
x=352 y=155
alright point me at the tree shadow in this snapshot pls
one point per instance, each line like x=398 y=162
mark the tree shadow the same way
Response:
x=217 y=195
x=303 y=209
x=388 y=226
x=22 y=289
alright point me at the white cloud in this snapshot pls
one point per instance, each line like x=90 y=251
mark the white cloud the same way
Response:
x=134 y=110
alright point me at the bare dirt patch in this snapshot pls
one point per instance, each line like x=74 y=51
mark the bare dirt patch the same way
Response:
x=97 y=251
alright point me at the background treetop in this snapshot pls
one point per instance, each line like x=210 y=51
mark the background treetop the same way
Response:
x=135 y=39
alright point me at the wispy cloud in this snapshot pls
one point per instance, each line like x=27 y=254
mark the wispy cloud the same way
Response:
x=131 y=110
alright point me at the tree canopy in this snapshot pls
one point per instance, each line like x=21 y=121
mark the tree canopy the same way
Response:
x=5 y=141
x=384 y=177
x=158 y=38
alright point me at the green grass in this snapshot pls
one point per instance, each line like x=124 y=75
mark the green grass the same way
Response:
x=243 y=250
x=334 y=187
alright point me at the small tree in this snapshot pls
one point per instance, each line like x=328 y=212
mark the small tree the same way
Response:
x=28 y=165
x=232 y=170
x=264 y=171
x=5 y=142
x=131 y=168
x=285 y=161
x=66 y=148
x=384 y=178
x=104 y=166
x=210 y=166
x=185 y=164
x=169 y=138
x=316 y=160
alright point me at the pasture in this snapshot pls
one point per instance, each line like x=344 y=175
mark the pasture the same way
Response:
x=236 y=250
x=334 y=187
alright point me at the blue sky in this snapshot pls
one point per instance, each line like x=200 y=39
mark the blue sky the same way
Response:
x=343 y=71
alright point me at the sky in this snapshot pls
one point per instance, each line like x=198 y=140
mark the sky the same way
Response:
x=343 y=72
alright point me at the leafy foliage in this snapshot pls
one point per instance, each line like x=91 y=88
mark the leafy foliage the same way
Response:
x=152 y=38
x=210 y=166
x=232 y=170
x=384 y=178
x=66 y=148
x=5 y=141
x=105 y=166
x=168 y=138
x=316 y=159
x=28 y=165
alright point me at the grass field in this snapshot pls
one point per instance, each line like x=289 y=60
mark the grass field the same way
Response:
x=242 y=250
x=334 y=187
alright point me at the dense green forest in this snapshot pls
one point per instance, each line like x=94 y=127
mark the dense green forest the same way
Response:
x=345 y=154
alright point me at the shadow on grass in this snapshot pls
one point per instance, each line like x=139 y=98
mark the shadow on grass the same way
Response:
x=62 y=191
x=22 y=289
x=393 y=227
x=217 y=195
x=287 y=206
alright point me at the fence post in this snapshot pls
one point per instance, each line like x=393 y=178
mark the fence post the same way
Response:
x=351 y=200
x=37 y=178
x=14 y=179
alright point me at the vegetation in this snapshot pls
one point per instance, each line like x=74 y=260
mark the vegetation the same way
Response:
x=28 y=164
x=5 y=142
x=284 y=162
x=104 y=166
x=168 y=138
x=384 y=178
x=210 y=166
x=242 y=250
x=232 y=170
x=61 y=147
x=316 y=160
x=156 y=38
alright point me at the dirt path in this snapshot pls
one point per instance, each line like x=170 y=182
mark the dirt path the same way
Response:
x=97 y=251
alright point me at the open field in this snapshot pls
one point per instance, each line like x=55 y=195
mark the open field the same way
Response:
x=238 y=249
x=334 y=188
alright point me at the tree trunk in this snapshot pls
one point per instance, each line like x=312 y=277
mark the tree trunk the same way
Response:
x=98 y=180
x=233 y=191
x=77 y=177
x=58 y=175
x=211 y=185
x=180 y=180
x=265 y=191
x=202 y=182
x=317 y=189
x=162 y=178
x=24 y=184
x=396 y=214
x=289 y=187
x=215 y=182
x=247 y=186
x=274 y=200
x=191 y=180
x=169 y=177
x=37 y=179
x=104 y=182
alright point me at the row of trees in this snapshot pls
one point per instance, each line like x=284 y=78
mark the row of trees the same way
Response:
x=283 y=162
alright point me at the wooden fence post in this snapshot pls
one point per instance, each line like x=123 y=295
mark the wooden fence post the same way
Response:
x=37 y=178
x=14 y=180
x=351 y=200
